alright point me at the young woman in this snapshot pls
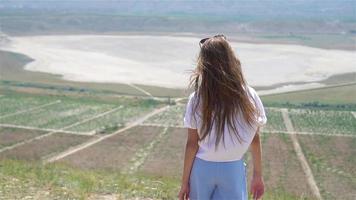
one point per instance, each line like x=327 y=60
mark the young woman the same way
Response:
x=223 y=116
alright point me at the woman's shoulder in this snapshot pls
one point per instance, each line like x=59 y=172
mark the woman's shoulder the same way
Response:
x=251 y=91
x=192 y=96
x=192 y=99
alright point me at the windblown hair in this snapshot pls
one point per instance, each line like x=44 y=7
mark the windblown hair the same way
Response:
x=220 y=89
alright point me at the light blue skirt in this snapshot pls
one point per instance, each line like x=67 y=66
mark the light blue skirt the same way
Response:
x=218 y=180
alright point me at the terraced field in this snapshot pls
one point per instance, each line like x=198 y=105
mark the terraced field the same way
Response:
x=173 y=116
x=39 y=149
x=283 y=173
x=12 y=104
x=57 y=116
x=73 y=114
x=11 y=136
x=155 y=148
x=332 y=95
x=109 y=122
x=274 y=120
x=160 y=162
x=114 y=153
x=322 y=121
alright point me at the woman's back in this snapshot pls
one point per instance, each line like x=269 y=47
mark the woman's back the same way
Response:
x=233 y=149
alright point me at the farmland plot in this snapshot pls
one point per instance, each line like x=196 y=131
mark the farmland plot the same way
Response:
x=38 y=149
x=332 y=160
x=115 y=152
x=319 y=121
x=11 y=104
x=58 y=115
x=173 y=116
x=274 y=120
x=282 y=172
x=110 y=122
x=10 y=136
x=168 y=156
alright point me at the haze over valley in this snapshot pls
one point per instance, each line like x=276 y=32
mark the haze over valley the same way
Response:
x=156 y=43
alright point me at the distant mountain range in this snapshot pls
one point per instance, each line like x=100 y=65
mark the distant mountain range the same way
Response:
x=343 y=10
x=255 y=16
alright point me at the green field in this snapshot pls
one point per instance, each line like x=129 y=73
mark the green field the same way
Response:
x=73 y=114
x=173 y=116
x=58 y=115
x=321 y=121
x=11 y=104
x=275 y=120
x=332 y=95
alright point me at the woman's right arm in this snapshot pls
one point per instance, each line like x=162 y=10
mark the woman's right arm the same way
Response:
x=191 y=149
x=257 y=183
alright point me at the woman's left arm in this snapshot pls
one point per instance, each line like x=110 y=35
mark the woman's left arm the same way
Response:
x=257 y=183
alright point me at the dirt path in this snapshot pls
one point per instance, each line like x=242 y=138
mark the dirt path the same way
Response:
x=354 y=114
x=40 y=129
x=103 y=197
x=96 y=140
x=310 y=133
x=140 y=156
x=161 y=125
x=31 y=109
x=140 y=89
x=300 y=155
x=179 y=100
x=56 y=131
x=115 y=197
x=271 y=92
x=26 y=141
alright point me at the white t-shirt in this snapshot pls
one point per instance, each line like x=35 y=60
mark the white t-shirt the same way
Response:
x=234 y=150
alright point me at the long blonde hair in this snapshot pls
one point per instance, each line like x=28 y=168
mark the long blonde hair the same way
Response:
x=220 y=85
